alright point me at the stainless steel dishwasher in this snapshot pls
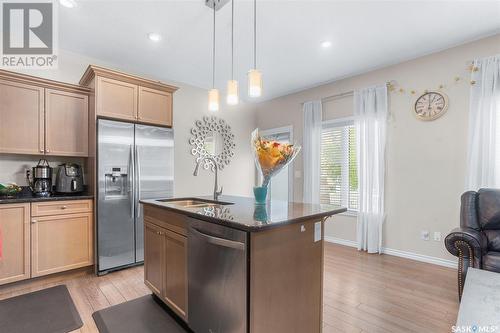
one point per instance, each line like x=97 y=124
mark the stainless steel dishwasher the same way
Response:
x=217 y=275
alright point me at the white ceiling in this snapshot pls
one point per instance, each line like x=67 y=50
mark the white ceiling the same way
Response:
x=365 y=35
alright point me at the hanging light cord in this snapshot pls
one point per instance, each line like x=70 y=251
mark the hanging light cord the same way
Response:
x=232 y=39
x=255 y=34
x=213 y=54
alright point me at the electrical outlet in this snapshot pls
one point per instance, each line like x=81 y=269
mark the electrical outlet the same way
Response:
x=437 y=236
x=425 y=235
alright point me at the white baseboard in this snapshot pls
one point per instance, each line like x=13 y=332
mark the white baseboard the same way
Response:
x=399 y=253
x=341 y=241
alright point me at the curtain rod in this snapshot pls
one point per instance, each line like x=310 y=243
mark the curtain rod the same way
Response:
x=347 y=93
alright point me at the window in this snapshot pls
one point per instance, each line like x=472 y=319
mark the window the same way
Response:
x=338 y=168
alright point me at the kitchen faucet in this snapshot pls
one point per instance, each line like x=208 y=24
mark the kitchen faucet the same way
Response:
x=217 y=192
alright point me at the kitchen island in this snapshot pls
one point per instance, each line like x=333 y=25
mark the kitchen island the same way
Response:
x=234 y=266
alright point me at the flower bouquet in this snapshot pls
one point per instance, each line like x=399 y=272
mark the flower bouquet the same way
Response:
x=270 y=158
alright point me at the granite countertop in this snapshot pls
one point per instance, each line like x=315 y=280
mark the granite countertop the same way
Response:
x=27 y=196
x=245 y=215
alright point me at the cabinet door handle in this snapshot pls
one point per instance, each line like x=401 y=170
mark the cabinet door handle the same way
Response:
x=47 y=150
x=41 y=150
x=64 y=207
x=34 y=221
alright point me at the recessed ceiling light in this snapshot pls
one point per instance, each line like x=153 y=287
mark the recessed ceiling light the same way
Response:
x=155 y=37
x=68 y=3
x=326 y=44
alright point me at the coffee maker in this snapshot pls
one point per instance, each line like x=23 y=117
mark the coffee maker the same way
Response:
x=40 y=181
x=69 y=178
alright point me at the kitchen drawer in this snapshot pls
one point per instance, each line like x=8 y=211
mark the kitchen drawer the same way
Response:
x=48 y=208
x=166 y=219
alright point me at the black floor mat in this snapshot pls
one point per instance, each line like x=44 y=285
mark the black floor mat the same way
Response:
x=143 y=315
x=49 y=310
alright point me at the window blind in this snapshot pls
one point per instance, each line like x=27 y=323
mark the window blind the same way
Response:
x=338 y=168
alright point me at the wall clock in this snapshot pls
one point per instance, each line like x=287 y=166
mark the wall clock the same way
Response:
x=431 y=105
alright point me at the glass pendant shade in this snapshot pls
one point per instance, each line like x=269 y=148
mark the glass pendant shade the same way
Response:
x=254 y=83
x=213 y=100
x=232 y=97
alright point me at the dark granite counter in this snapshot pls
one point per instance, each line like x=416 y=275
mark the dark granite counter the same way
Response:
x=242 y=213
x=27 y=196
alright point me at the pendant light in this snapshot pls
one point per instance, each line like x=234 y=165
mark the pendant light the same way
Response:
x=254 y=75
x=232 y=85
x=213 y=94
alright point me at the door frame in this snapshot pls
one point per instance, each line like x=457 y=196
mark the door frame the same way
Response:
x=277 y=130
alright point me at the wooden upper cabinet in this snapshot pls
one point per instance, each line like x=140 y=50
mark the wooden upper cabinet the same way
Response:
x=40 y=116
x=66 y=123
x=116 y=99
x=21 y=118
x=15 y=228
x=155 y=106
x=124 y=96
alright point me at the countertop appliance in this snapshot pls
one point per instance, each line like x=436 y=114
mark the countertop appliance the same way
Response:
x=134 y=162
x=217 y=275
x=69 y=178
x=40 y=180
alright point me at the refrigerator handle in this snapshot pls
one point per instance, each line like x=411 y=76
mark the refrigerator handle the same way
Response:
x=131 y=172
x=138 y=180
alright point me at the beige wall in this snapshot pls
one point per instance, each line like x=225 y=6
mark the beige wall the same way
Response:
x=425 y=160
x=13 y=167
x=190 y=104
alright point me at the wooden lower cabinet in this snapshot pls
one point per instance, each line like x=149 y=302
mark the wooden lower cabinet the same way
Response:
x=175 y=274
x=153 y=255
x=39 y=245
x=61 y=242
x=165 y=266
x=15 y=235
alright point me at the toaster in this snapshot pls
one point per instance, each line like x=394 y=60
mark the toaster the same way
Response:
x=69 y=178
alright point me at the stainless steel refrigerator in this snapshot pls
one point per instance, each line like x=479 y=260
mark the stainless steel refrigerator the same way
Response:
x=134 y=162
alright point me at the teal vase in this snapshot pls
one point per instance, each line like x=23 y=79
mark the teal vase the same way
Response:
x=260 y=194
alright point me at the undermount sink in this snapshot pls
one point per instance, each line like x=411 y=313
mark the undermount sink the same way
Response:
x=194 y=202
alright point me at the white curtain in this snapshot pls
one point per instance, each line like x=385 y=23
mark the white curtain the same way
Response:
x=311 y=150
x=483 y=169
x=370 y=111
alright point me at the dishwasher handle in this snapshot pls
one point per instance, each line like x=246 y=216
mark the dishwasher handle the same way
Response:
x=220 y=241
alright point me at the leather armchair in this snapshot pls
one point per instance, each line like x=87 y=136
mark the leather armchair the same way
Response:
x=476 y=242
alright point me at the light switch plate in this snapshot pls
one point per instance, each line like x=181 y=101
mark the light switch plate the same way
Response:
x=317 y=231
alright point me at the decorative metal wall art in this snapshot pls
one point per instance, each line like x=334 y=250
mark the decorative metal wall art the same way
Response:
x=212 y=136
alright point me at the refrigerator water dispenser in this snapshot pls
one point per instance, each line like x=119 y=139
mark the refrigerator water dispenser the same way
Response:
x=116 y=184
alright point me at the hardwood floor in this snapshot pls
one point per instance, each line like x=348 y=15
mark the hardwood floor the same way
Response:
x=380 y=293
x=362 y=293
